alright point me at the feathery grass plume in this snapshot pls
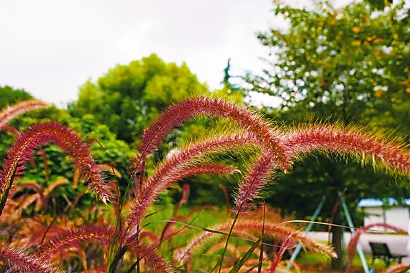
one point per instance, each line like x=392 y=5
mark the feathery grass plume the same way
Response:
x=253 y=182
x=404 y=267
x=285 y=244
x=181 y=165
x=23 y=262
x=146 y=196
x=252 y=227
x=184 y=198
x=347 y=141
x=180 y=112
x=67 y=140
x=106 y=235
x=352 y=246
x=283 y=231
x=154 y=261
x=10 y=129
x=75 y=237
x=20 y=108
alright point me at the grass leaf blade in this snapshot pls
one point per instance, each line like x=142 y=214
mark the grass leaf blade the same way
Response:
x=245 y=257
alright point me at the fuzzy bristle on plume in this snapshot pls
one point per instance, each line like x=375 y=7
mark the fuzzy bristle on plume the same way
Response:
x=182 y=165
x=151 y=257
x=352 y=246
x=182 y=111
x=106 y=235
x=20 y=108
x=346 y=141
x=76 y=237
x=254 y=125
x=22 y=262
x=51 y=132
x=253 y=182
x=278 y=230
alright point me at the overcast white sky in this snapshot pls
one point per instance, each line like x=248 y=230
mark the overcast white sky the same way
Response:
x=50 y=48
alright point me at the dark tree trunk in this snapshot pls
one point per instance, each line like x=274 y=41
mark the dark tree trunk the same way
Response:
x=336 y=219
x=337 y=233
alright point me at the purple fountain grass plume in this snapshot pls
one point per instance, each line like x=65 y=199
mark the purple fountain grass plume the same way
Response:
x=75 y=237
x=10 y=129
x=180 y=172
x=352 y=246
x=20 y=108
x=107 y=235
x=23 y=262
x=278 y=230
x=181 y=165
x=285 y=244
x=273 y=155
x=148 y=253
x=333 y=138
x=148 y=194
x=283 y=231
x=67 y=140
x=184 y=199
x=184 y=110
x=253 y=182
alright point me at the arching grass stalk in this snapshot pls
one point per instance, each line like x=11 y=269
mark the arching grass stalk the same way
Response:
x=178 y=113
x=24 y=262
x=352 y=246
x=285 y=244
x=67 y=140
x=251 y=227
x=262 y=236
x=181 y=165
x=20 y=108
x=162 y=239
x=6 y=191
x=182 y=111
x=221 y=259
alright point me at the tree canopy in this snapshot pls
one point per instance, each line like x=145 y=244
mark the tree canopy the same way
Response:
x=129 y=96
x=337 y=63
x=9 y=96
x=348 y=65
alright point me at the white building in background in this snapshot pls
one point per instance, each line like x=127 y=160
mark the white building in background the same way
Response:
x=389 y=212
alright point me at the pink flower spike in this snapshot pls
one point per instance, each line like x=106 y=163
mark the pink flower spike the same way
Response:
x=352 y=246
x=285 y=244
x=345 y=141
x=75 y=238
x=181 y=165
x=182 y=111
x=67 y=140
x=255 y=179
x=20 y=108
x=23 y=262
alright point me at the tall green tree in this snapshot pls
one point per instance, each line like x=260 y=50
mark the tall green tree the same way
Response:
x=129 y=96
x=349 y=65
x=10 y=96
